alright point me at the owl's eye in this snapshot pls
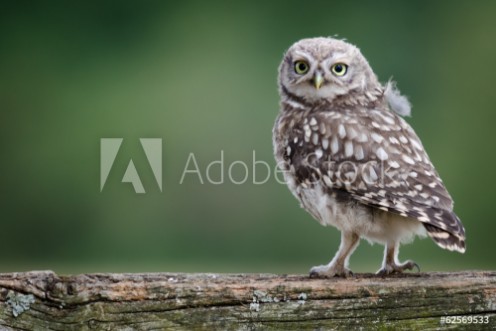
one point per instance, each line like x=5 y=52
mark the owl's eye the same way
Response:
x=301 y=67
x=339 y=69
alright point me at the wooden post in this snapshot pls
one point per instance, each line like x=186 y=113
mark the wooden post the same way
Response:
x=43 y=300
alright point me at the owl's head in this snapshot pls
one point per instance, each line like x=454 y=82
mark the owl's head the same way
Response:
x=324 y=68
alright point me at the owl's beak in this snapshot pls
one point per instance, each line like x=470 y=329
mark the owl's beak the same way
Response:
x=318 y=80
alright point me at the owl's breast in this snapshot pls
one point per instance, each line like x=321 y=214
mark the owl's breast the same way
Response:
x=292 y=148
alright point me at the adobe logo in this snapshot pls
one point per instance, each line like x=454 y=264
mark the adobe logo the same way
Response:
x=109 y=148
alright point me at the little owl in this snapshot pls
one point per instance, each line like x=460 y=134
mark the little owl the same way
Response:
x=352 y=161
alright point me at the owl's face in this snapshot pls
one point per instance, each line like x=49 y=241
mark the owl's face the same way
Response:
x=324 y=68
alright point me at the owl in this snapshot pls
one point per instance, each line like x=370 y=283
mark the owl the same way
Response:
x=352 y=161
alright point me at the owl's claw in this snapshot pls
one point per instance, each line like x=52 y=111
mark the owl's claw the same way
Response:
x=325 y=271
x=396 y=269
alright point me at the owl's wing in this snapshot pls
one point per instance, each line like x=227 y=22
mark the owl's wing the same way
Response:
x=375 y=158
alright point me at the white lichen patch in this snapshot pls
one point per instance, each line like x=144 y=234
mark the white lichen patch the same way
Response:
x=261 y=296
x=302 y=297
x=255 y=306
x=19 y=303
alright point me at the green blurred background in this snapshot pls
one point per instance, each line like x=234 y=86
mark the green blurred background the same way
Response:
x=202 y=76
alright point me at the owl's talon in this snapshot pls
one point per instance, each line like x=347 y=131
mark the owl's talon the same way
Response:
x=408 y=265
x=329 y=272
x=382 y=272
x=394 y=268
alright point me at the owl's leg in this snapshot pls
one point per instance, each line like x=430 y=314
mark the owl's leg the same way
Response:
x=391 y=265
x=338 y=267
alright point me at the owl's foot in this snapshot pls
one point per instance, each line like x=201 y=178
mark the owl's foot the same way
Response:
x=393 y=268
x=326 y=271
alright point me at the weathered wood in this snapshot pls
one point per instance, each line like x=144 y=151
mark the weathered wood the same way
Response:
x=43 y=300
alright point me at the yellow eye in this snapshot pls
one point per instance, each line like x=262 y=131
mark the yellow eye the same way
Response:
x=339 y=69
x=301 y=67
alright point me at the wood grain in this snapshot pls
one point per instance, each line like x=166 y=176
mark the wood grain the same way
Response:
x=43 y=300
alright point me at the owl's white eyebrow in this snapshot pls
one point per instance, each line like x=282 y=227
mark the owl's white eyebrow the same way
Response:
x=340 y=57
x=304 y=56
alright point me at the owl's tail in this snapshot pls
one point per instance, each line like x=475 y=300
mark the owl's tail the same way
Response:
x=453 y=239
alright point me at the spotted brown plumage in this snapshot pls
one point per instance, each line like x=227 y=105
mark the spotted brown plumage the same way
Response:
x=352 y=161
